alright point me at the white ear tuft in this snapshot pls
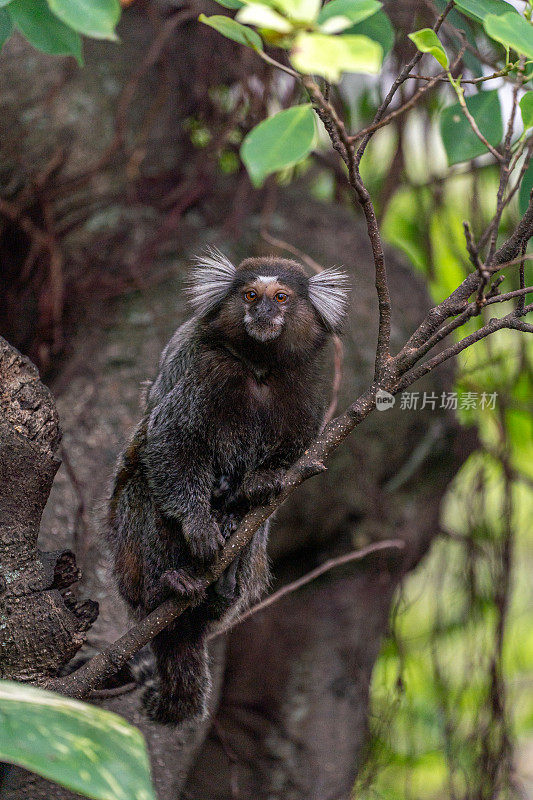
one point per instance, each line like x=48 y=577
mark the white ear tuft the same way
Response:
x=328 y=294
x=210 y=280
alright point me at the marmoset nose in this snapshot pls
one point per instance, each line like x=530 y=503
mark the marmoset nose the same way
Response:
x=265 y=310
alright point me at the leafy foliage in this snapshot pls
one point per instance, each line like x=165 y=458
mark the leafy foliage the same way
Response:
x=278 y=142
x=427 y=41
x=233 y=30
x=460 y=141
x=96 y=18
x=346 y=12
x=512 y=31
x=478 y=10
x=86 y=749
x=54 y=26
x=330 y=56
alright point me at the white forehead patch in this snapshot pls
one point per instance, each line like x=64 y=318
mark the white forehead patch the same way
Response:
x=266 y=279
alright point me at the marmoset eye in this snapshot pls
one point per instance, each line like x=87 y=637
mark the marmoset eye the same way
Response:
x=250 y=296
x=281 y=297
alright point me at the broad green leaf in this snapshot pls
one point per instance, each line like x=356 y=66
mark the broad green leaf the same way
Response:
x=298 y=10
x=511 y=30
x=95 y=18
x=231 y=29
x=330 y=56
x=233 y=4
x=6 y=26
x=479 y=9
x=89 y=750
x=526 y=109
x=460 y=141
x=278 y=142
x=377 y=27
x=44 y=30
x=337 y=15
x=525 y=189
x=427 y=41
x=263 y=17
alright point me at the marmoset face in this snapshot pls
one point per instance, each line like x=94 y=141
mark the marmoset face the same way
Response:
x=267 y=299
x=266 y=303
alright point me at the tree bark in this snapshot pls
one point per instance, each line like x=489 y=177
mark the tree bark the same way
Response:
x=42 y=629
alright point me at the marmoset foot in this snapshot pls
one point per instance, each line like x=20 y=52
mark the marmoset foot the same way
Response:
x=181 y=583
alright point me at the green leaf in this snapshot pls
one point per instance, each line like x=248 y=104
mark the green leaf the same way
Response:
x=525 y=189
x=95 y=18
x=297 y=10
x=233 y=4
x=330 y=56
x=377 y=27
x=278 y=142
x=6 y=26
x=43 y=30
x=460 y=141
x=263 y=17
x=427 y=41
x=526 y=109
x=89 y=750
x=479 y=9
x=511 y=30
x=337 y=15
x=231 y=29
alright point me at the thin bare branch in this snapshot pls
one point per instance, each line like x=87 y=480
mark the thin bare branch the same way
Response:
x=327 y=566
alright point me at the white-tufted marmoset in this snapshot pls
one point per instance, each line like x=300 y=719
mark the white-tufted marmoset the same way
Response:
x=238 y=397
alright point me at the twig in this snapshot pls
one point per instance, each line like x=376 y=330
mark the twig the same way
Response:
x=327 y=566
x=338 y=358
x=398 y=82
x=521 y=305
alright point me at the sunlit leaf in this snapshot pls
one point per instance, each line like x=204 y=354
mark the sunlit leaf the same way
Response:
x=298 y=10
x=43 y=29
x=512 y=31
x=338 y=15
x=427 y=41
x=96 y=18
x=232 y=29
x=480 y=9
x=87 y=749
x=330 y=56
x=278 y=142
x=6 y=26
x=263 y=17
x=377 y=27
x=460 y=141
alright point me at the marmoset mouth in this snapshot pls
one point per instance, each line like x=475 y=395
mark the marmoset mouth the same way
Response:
x=263 y=331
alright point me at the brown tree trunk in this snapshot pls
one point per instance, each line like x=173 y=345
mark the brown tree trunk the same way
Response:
x=42 y=627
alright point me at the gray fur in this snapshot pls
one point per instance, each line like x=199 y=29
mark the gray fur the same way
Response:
x=211 y=280
x=328 y=294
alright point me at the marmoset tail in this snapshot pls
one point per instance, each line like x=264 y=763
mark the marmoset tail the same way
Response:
x=237 y=399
